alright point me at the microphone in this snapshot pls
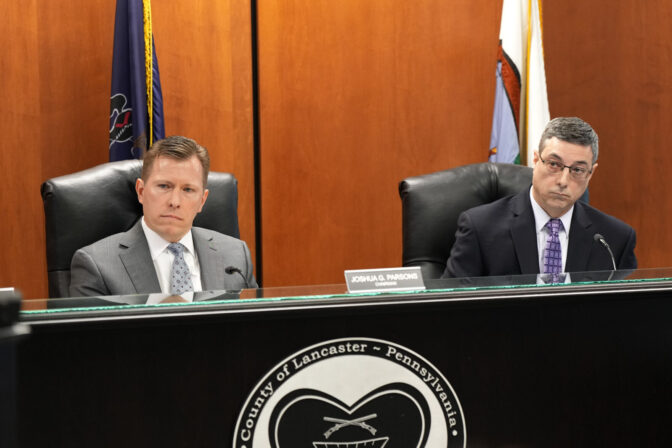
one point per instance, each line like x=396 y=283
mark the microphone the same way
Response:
x=600 y=239
x=231 y=269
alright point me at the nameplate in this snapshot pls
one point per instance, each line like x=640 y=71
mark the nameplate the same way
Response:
x=380 y=280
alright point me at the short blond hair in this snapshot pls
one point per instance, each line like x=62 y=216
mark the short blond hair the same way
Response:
x=178 y=148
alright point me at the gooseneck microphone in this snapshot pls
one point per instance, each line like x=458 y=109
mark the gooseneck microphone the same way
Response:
x=231 y=269
x=600 y=239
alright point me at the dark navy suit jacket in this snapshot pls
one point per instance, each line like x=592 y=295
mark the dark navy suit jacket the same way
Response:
x=500 y=239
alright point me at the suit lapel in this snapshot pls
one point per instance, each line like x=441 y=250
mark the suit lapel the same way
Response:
x=208 y=260
x=523 y=233
x=580 y=241
x=135 y=256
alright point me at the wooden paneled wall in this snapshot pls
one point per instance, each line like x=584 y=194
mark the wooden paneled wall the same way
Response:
x=354 y=96
x=21 y=228
x=611 y=64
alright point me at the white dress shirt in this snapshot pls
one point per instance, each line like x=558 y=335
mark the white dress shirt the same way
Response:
x=163 y=258
x=540 y=219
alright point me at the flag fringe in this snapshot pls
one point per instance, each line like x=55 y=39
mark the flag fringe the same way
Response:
x=147 y=28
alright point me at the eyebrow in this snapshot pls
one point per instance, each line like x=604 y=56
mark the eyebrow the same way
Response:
x=555 y=156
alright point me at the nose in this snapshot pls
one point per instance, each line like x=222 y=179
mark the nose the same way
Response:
x=563 y=179
x=175 y=198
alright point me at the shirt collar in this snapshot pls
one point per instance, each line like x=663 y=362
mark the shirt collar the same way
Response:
x=541 y=217
x=157 y=244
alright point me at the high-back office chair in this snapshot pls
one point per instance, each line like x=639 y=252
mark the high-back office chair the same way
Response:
x=84 y=207
x=431 y=204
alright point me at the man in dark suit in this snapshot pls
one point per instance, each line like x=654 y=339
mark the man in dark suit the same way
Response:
x=162 y=252
x=544 y=229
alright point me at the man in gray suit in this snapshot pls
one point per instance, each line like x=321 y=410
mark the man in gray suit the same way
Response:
x=162 y=252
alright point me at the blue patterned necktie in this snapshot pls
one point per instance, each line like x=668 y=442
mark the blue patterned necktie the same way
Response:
x=553 y=251
x=180 y=277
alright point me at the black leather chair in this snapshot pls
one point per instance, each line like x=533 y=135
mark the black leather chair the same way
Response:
x=431 y=204
x=84 y=207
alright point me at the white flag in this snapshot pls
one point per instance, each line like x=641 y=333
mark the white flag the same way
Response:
x=521 y=102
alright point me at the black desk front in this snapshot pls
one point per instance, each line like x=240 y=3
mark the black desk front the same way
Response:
x=583 y=364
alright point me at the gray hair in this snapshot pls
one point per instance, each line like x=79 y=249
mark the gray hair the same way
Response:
x=571 y=130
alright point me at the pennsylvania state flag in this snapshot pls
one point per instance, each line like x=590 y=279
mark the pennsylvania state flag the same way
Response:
x=136 y=102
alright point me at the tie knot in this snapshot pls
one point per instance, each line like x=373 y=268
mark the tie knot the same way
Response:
x=176 y=248
x=554 y=225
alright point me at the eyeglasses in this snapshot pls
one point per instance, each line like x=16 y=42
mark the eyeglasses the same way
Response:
x=576 y=172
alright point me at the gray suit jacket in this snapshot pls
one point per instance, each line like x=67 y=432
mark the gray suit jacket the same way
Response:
x=121 y=264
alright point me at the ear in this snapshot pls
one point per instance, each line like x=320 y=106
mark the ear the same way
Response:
x=592 y=172
x=205 y=196
x=139 y=189
x=535 y=159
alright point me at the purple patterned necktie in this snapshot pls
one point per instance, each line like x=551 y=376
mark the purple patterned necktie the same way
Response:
x=180 y=277
x=553 y=252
